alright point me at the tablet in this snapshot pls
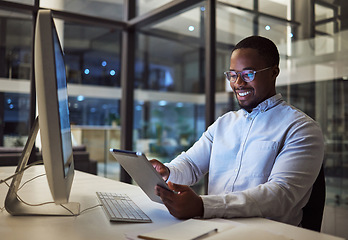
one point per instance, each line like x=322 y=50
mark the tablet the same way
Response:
x=141 y=170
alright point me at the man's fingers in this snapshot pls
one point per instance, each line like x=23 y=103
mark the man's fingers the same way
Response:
x=166 y=196
x=183 y=204
x=160 y=168
x=177 y=187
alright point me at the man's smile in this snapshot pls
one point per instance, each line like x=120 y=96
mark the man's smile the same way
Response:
x=243 y=93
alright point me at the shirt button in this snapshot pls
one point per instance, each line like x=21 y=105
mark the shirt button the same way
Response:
x=236 y=170
x=250 y=118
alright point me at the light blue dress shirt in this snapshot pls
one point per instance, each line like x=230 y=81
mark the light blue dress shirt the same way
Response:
x=260 y=164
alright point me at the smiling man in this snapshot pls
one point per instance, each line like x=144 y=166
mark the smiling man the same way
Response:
x=262 y=160
x=260 y=61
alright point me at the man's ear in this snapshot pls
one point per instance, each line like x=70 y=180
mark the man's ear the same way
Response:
x=275 y=72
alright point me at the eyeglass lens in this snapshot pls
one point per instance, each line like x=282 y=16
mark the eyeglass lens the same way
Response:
x=247 y=75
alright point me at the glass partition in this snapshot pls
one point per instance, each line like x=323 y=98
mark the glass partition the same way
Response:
x=105 y=9
x=93 y=63
x=92 y=54
x=95 y=124
x=232 y=24
x=280 y=8
x=247 y=4
x=28 y=2
x=165 y=129
x=144 y=6
x=15 y=109
x=169 y=80
x=170 y=54
x=15 y=72
x=15 y=45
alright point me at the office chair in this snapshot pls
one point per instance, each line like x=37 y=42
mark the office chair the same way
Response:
x=313 y=211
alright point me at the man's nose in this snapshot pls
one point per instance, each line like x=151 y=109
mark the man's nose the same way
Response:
x=239 y=81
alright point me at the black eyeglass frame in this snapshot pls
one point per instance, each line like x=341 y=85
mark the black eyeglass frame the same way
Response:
x=242 y=73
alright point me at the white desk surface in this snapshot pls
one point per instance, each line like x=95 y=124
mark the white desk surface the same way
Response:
x=93 y=224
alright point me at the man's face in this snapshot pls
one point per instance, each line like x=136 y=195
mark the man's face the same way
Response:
x=250 y=94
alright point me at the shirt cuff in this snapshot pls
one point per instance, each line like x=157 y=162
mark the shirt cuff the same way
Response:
x=171 y=173
x=214 y=206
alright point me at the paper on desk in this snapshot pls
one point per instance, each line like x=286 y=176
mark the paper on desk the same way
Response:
x=245 y=232
x=186 y=230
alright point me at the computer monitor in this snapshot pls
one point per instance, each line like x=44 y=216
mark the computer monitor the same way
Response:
x=53 y=122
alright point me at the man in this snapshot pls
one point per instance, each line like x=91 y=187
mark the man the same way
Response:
x=262 y=160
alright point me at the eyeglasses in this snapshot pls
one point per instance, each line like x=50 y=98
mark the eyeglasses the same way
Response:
x=246 y=75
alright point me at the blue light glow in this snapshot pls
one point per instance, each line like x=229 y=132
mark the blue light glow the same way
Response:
x=162 y=103
x=104 y=63
x=268 y=27
x=80 y=98
x=112 y=72
x=179 y=104
x=86 y=71
x=191 y=28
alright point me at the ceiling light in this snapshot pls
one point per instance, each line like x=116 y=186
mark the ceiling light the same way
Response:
x=112 y=72
x=179 y=104
x=162 y=103
x=80 y=98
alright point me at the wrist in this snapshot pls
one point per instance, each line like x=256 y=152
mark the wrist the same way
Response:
x=200 y=210
x=168 y=173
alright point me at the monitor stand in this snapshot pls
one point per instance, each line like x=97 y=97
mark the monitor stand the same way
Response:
x=16 y=207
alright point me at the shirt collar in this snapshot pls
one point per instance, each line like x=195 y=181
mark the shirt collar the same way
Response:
x=268 y=103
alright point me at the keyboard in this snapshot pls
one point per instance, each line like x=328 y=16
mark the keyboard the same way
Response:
x=120 y=208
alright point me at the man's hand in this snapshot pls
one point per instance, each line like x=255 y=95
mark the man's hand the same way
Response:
x=160 y=168
x=183 y=202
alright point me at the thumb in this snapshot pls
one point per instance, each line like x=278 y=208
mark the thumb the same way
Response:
x=177 y=187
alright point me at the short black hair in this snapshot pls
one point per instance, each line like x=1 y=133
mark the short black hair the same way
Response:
x=264 y=46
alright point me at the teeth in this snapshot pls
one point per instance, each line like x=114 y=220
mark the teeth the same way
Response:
x=242 y=94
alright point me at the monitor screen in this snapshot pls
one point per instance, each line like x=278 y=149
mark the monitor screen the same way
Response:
x=63 y=104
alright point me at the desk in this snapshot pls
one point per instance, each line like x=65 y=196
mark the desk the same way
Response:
x=93 y=224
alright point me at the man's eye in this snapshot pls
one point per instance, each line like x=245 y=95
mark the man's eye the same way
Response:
x=248 y=74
